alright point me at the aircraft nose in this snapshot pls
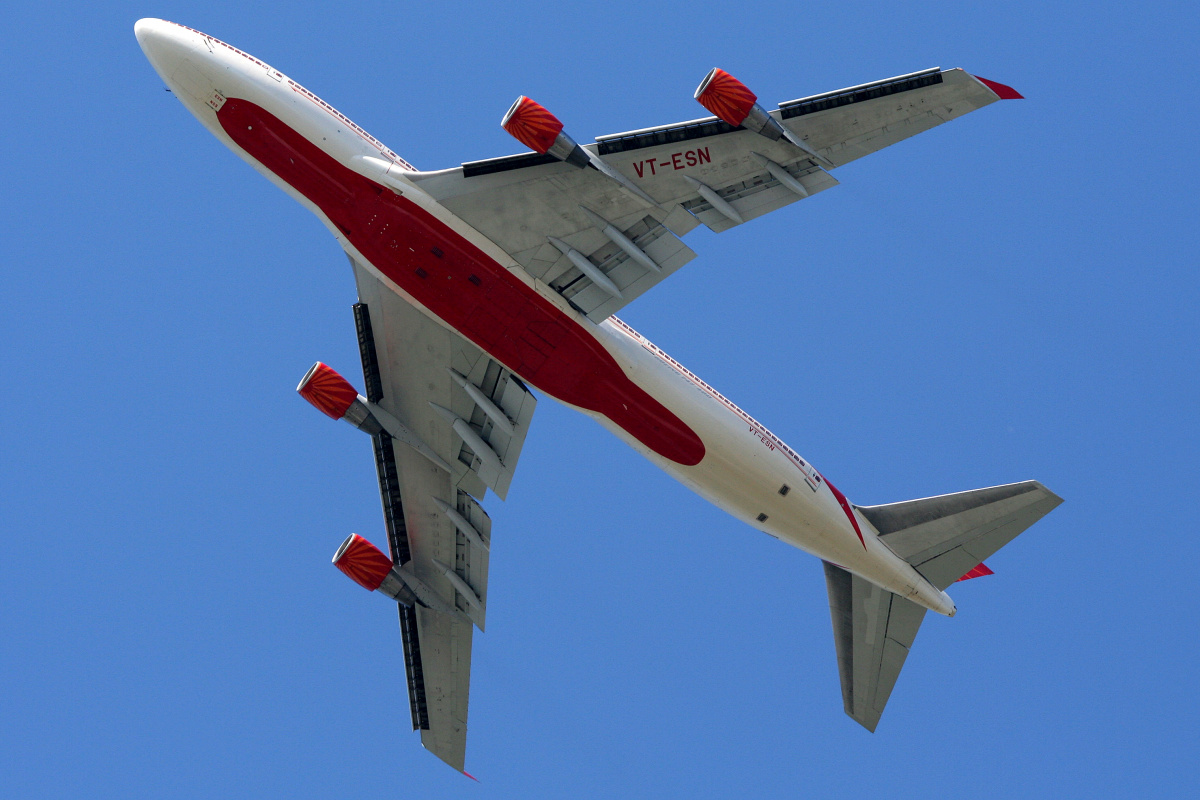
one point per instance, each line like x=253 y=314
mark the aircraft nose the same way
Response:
x=164 y=44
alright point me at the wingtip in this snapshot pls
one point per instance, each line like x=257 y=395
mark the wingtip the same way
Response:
x=1000 y=90
x=469 y=775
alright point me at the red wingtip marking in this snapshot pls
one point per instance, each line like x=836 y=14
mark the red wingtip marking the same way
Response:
x=469 y=775
x=1002 y=91
x=977 y=572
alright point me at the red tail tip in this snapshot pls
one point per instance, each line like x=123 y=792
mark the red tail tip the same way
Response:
x=1001 y=91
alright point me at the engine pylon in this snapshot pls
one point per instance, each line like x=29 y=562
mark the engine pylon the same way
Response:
x=334 y=396
x=731 y=101
x=369 y=567
x=533 y=126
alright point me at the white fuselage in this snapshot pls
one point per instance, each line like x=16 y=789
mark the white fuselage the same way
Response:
x=743 y=467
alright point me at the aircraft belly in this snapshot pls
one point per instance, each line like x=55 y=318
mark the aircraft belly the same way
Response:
x=460 y=284
x=745 y=470
x=452 y=273
x=304 y=146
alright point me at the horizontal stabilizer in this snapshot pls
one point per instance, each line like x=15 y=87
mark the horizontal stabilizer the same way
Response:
x=946 y=537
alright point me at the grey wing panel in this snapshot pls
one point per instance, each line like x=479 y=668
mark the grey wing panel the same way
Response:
x=393 y=517
x=446 y=659
x=873 y=630
x=946 y=536
x=425 y=371
x=701 y=171
x=406 y=363
x=526 y=211
x=848 y=124
x=414 y=355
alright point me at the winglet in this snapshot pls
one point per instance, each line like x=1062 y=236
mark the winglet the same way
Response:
x=1000 y=90
x=469 y=775
x=978 y=571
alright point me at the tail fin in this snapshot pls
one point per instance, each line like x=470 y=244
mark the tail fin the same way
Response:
x=945 y=538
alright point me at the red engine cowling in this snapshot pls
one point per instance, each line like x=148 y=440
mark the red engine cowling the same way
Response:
x=362 y=562
x=540 y=131
x=369 y=567
x=725 y=96
x=733 y=102
x=333 y=395
x=532 y=125
x=327 y=390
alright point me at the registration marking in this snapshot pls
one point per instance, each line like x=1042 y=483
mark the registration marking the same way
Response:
x=675 y=161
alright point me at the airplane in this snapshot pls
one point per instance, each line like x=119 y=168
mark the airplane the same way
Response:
x=480 y=281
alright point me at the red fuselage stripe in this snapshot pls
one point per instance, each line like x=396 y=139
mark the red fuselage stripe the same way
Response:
x=462 y=285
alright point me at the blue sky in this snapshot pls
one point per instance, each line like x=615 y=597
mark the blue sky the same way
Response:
x=1010 y=296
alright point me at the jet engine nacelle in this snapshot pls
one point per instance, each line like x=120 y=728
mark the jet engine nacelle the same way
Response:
x=732 y=101
x=539 y=130
x=333 y=395
x=369 y=567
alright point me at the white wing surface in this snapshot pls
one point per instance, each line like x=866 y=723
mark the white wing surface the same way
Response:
x=418 y=371
x=538 y=209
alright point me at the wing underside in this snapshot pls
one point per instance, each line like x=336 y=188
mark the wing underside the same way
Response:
x=552 y=217
x=600 y=241
x=417 y=371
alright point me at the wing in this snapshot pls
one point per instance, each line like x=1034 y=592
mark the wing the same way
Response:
x=417 y=372
x=873 y=630
x=539 y=209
